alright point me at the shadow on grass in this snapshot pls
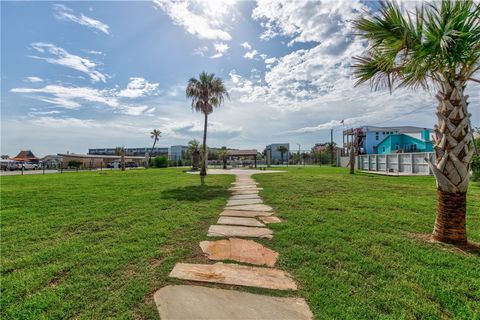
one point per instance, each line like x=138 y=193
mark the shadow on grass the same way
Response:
x=195 y=193
x=469 y=248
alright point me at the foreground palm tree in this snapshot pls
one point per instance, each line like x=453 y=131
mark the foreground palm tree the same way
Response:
x=437 y=46
x=155 y=134
x=206 y=93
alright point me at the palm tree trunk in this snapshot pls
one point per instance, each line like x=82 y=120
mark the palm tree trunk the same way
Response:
x=453 y=151
x=203 y=170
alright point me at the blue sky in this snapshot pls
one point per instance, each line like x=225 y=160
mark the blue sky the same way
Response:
x=79 y=75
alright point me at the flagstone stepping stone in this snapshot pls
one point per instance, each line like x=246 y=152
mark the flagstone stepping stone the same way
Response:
x=242 y=202
x=241 y=192
x=251 y=207
x=255 y=188
x=184 y=302
x=271 y=219
x=238 y=221
x=238 y=231
x=235 y=274
x=248 y=214
x=240 y=250
x=244 y=196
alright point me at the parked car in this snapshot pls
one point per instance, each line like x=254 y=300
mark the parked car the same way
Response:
x=29 y=166
x=131 y=165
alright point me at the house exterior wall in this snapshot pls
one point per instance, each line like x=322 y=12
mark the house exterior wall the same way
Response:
x=277 y=155
x=403 y=143
x=177 y=152
x=373 y=138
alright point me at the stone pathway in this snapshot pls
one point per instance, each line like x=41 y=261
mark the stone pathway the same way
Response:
x=244 y=216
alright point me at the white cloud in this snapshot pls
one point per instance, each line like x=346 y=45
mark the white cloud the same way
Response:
x=204 y=19
x=59 y=56
x=137 y=110
x=200 y=51
x=33 y=79
x=246 y=45
x=71 y=97
x=306 y=20
x=64 y=13
x=138 y=87
x=250 y=54
x=220 y=48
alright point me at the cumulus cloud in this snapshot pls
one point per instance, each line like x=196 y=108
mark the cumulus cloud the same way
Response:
x=60 y=56
x=250 y=54
x=70 y=97
x=200 y=51
x=221 y=49
x=62 y=12
x=138 y=87
x=33 y=79
x=246 y=45
x=203 y=19
x=305 y=20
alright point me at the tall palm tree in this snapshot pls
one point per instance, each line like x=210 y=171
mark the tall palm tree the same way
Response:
x=436 y=46
x=282 y=150
x=206 y=93
x=223 y=154
x=193 y=150
x=155 y=134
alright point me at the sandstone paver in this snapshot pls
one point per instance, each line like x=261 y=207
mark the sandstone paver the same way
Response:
x=244 y=196
x=243 y=202
x=251 y=207
x=244 y=213
x=201 y=303
x=239 y=231
x=235 y=274
x=247 y=251
x=240 y=221
x=271 y=219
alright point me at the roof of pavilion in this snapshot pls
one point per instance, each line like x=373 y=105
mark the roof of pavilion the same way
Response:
x=242 y=153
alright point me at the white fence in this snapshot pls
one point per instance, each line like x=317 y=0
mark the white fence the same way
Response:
x=397 y=163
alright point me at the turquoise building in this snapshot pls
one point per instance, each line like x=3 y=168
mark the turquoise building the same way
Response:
x=400 y=143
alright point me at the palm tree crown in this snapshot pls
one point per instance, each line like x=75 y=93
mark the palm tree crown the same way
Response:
x=431 y=46
x=206 y=92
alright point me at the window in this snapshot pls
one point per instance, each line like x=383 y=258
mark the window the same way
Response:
x=383 y=149
x=397 y=147
x=383 y=132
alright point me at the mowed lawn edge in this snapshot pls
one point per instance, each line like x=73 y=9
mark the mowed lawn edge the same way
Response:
x=355 y=245
x=98 y=244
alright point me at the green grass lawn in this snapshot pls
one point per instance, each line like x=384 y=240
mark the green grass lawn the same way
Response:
x=96 y=246
x=93 y=245
x=352 y=244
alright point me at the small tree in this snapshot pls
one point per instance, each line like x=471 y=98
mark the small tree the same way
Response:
x=223 y=154
x=194 y=152
x=282 y=150
x=155 y=134
x=75 y=164
x=160 y=162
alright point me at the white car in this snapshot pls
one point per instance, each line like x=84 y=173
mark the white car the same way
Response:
x=29 y=166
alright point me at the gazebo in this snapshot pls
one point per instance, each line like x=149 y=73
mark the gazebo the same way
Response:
x=26 y=156
x=244 y=153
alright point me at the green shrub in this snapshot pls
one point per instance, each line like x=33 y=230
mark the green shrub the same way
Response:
x=74 y=164
x=160 y=162
x=476 y=168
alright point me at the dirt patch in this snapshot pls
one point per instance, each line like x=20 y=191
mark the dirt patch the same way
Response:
x=470 y=248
